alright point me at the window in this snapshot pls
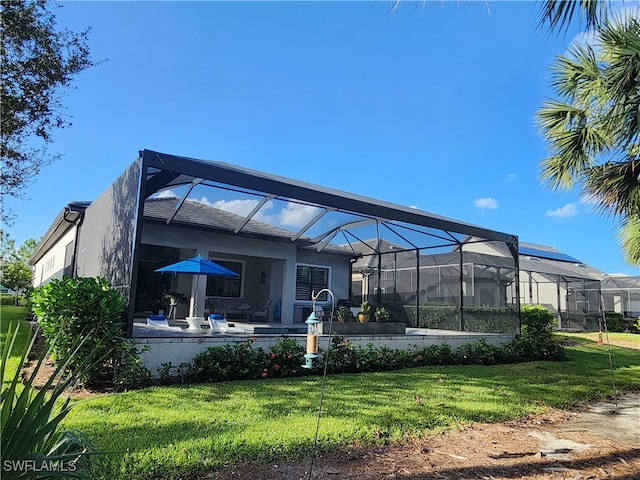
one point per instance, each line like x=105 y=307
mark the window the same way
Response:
x=68 y=259
x=311 y=279
x=223 y=286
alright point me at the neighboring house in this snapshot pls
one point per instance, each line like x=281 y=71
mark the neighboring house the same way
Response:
x=621 y=294
x=565 y=285
x=281 y=235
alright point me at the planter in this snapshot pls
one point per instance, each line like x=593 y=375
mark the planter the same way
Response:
x=363 y=317
x=195 y=323
x=367 y=328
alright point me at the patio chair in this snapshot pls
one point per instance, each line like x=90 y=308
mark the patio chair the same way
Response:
x=219 y=324
x=262 y=314
x=239 y=312
x=157 y=321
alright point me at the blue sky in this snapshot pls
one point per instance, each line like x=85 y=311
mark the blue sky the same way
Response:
x=430 y=106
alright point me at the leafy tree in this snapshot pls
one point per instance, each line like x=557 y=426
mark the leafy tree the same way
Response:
x=16 y=273
x=38 y=62
x=592 y=129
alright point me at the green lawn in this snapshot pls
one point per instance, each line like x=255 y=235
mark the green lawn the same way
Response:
x=167 y=432
x=629 y=340
x=11 y=316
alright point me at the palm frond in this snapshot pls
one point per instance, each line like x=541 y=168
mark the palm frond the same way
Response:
x=558 y=14
x=629 y=240
x=616 y=187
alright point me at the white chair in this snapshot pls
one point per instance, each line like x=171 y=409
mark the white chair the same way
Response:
x=219 y=324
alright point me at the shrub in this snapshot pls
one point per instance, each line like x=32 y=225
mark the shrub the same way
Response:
x=342 y=356
x=536 y=341
x=242 y=361
x=239 y=361
x=477 y=353
x=30 y=419
x=615 y=322
x=285 y=359
x=68 y=309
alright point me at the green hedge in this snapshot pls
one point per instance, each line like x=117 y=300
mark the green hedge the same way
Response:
x=10 y=299
x=241 y=361
x=476 y=319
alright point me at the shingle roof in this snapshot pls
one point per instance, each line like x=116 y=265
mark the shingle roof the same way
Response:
x=194 y=213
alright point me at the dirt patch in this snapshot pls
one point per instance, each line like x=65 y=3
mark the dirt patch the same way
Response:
x=595 y=442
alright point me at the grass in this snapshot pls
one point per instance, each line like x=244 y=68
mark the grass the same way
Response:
x=10 y=316
x=169 y=432
x=629 y=340
x=177 y=431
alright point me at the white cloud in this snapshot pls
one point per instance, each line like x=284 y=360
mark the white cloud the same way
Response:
x=511 y=177
x=166 y=194
x=490 y=203
x=568 y=211
x=296 y=215
x=239 y=207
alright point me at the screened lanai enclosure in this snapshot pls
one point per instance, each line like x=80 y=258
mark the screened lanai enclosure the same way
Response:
x=621 y=294
x=453 y=290
x=288 y=238
x=575 y=301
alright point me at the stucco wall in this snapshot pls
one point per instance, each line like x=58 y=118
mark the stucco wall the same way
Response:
x=183 y=349
x=277 y=259
x=107 y=234
x=52 y=264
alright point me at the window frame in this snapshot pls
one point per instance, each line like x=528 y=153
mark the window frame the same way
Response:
x=220 y=261
x=312 y=266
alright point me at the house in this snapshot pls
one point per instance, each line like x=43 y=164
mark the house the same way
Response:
x=282 y=235
x=621 y=294
x=565 y=285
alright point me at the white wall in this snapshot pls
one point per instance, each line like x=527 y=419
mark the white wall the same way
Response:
x=183 y=349
x=51 y=265
x=283 y=255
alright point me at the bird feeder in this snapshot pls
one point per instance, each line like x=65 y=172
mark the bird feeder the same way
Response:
x=313 y=333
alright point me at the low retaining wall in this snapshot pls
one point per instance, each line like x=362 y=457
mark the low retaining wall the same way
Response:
x=366 y=328
x=182 y=349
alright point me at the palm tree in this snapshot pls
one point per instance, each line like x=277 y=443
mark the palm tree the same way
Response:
x=592 y=130
x=558 y=14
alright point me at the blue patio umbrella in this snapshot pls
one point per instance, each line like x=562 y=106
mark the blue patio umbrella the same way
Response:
x=197 y=265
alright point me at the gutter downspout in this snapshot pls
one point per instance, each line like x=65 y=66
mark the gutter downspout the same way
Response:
x=77 y=224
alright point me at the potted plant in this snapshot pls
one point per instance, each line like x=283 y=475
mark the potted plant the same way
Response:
x=173 y=298
x=344 y=314
x=365 y=312
x=381 y=314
